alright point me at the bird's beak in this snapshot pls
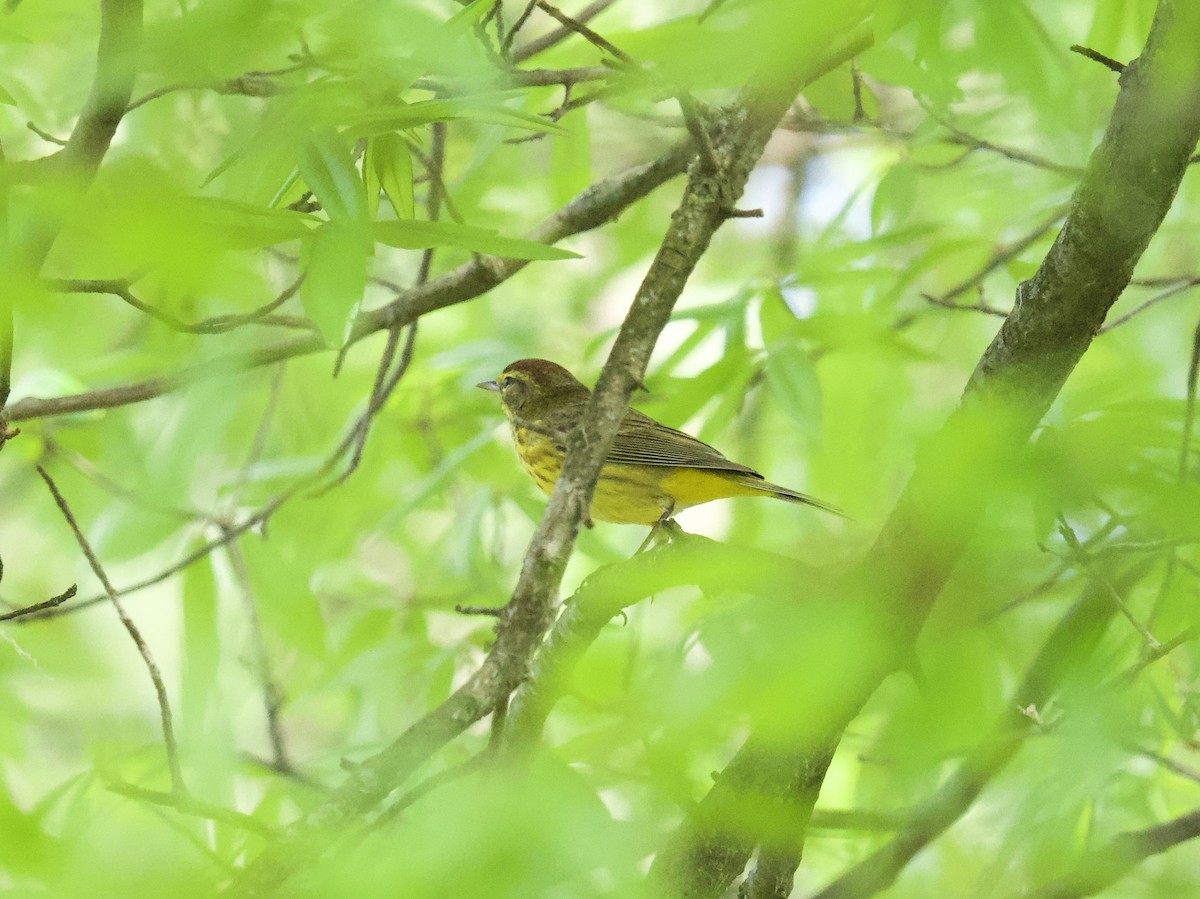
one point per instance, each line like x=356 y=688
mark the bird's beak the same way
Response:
x=489 y=385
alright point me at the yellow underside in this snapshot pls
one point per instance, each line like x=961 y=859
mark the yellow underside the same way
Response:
x=639 y=494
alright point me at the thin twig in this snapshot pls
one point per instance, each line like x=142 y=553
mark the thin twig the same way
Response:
x=1177 y=288
x=860 y=113
x=160 y=689
x=273 y=695
x=506 y=46
x=979 y=305
x=1068 y=534
x=6 y=360
x=40 y=606
x=1189 y=413
x=219 y=324
x=190 y=805
x=1171 y=765
x=46 y=135
x=89 y=470
x=1004 y=254
x=558 y=35
x=386 y=379
x=1153 y=654
x=251 y=84
x=1096 y=56
x=584 y=31
x=259 y=444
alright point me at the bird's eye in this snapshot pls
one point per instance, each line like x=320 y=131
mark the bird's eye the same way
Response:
x=507 y=381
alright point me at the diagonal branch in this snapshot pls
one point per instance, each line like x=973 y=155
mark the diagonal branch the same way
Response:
x=160 y=688
x=741 y=136
x=1107 y=864
x=1127 y=188
x=1069 y=646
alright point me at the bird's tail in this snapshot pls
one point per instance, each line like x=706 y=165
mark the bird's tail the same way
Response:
x=792 y=496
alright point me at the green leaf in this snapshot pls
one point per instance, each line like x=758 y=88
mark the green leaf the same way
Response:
x=280 y=579
x=327 y=167
x=335 y=276
x=792 y=381
x=894 y=198
x=571 y=159
x=775 y=317
x=389 y=164
x=6 y=98
x=201 y=644
x=244 y=226
x=417 y=235
x=469 y=16
x=483 y=108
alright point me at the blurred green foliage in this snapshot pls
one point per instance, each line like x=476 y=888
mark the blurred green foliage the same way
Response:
x=804 y=346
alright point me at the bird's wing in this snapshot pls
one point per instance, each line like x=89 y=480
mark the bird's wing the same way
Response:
x=643 y=441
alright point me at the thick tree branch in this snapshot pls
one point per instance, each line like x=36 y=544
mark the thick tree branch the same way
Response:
x=741 y=136
x=1126 y=190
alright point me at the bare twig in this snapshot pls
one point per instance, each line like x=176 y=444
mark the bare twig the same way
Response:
x=251 y=84
x=1153 y=654
x=1002 y=255
x=1149 y=642
x=190 y=805
x=46 y=135
x=980 y=305
x=506 y=46
x=1189 y=414
x=860 y=113
x=40 y=606
x=219 y=324
x=1177 y=288
x=492 y=611
x=1096 y=56
x=387 y=379
x=6 y=360
x=160 y=689
x=259 y=444
x=546 y=41
x=584 y=31
x=90 y=471
x=273 y=695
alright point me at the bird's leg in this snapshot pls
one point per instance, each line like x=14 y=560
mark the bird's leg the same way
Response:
x=665 y=525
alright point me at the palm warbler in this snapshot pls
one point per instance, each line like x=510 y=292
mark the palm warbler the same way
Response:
x=652 y=471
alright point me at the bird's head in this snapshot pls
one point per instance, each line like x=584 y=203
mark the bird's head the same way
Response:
x=530 y=385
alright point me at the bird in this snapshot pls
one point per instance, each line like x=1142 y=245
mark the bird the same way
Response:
x=652 y=471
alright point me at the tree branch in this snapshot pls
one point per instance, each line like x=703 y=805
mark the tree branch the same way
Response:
x=741 y=136
x=598 y=204
x=160 y=688
x=1126 y=190
x=1068 y=648
x=1107 y=864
